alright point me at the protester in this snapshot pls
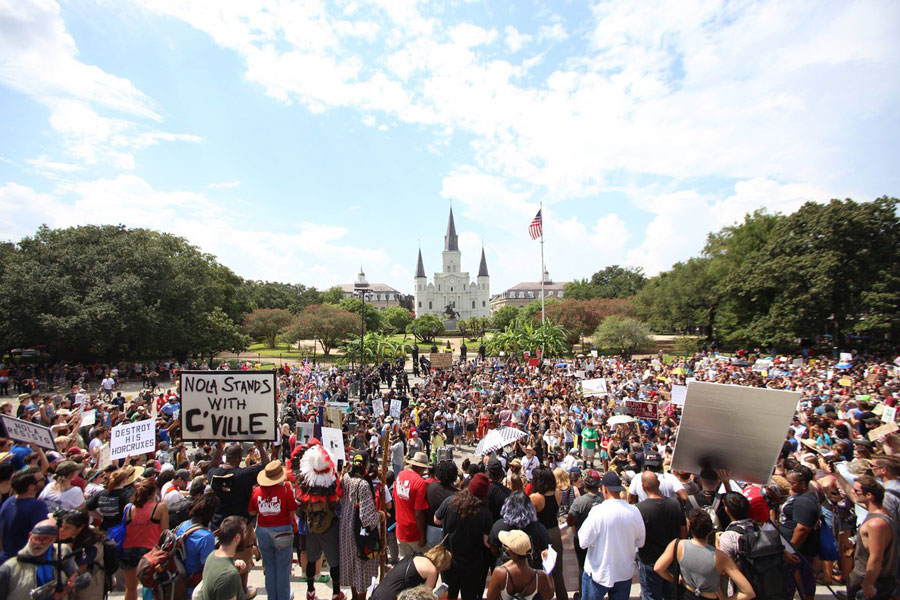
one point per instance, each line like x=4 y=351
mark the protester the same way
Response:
x=875 y=559
x=413 y=571
x=663 y=522
x=319 y=494
x=798 y=523
x=466 y=523
x=518 y=513
x=699 y=564
x=36 y=565
x=611 y=534
x=221 y=574
x=274 y=503
x=358 y=509
x=145 y=520
x=110 y=503
x=90 y=552
x=197 y=538
x=411 y=505
x=579 y=511
x=446 y=475
x=20 y=513
x=61 y=492
x=545 y=496
x=515 y=578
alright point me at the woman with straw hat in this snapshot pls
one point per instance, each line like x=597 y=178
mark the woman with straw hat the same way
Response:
x=515 y=577
x=273 y=503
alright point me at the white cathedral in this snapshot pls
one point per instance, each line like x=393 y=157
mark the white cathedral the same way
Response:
x=452 y=290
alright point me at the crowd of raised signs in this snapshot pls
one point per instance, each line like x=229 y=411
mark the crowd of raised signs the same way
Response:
x=589 y=445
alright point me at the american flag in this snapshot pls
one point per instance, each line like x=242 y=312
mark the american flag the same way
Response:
x=534 y=230
x=307 y=369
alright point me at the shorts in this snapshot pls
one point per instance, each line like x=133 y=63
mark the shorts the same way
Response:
x=131 y=557
x=470 y=426
x=604 y=455
x=328 y=543
x=587 y=453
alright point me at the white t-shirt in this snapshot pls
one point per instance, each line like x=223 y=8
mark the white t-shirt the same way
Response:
x=669 y=486
x=71 y=498
x=170 y=494
x=611 y=534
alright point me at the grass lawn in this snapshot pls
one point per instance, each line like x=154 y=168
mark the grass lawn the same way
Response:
x=282 y=350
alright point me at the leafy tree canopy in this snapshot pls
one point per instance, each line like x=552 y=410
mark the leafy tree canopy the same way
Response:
x=426 y=328
x=327 y=324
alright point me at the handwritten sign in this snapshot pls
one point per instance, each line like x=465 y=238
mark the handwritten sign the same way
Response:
x=305 y=431
x=88 y=417
x=642 y=410
x=679 y=393
x=440 y=360
x=593 y=387
x=377 y=408
x=104 y=458
x=396 y=407
x=228 y=405
x=132 y=439
x=333 y=442
x=879 y=432
x=28 y=433
x=845 y=381
x=890 y=414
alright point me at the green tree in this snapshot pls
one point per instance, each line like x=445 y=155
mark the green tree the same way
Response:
x=329 y=325
x=272 y=294
x=426 y=328
x=332 y=295
x=376 y=347
x=686 y=345
x=622 y=334
x=370 y=314
x=217 y=333
x=580 y=318
x=504 y=316
x=267 y=324
x=109 y=292
x=618 y=282
x=396 y=318
x=523 y=335
x=580 y=289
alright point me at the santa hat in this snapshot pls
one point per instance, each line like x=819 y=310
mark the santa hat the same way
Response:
x=317 y=468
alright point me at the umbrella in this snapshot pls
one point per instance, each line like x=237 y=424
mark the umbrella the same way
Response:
x=843 y=366
x=497 y=439
x=620 y=420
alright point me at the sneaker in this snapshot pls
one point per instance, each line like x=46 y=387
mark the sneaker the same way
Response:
x=338 y=596
x=251 y=592
x=323 y=578
x=311 y=595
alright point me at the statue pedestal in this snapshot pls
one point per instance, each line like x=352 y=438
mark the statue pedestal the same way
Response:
x=450 y=324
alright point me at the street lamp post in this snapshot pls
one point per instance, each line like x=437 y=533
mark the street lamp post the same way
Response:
x=361 y=294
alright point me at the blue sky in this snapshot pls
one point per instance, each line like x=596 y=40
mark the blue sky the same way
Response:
x=298 y=140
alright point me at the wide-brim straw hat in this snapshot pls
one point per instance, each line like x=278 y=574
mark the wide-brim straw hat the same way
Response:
x=419 y=459
x=273 y=474
x=133 y=474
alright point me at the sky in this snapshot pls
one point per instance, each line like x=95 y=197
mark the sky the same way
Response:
x=298 y=141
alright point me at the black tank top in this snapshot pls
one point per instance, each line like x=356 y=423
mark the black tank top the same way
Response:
x=549 y=517
x=403 y=576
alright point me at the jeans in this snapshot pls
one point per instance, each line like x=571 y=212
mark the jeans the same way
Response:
x=275 y=547
x=591 y=590
x=654 y=587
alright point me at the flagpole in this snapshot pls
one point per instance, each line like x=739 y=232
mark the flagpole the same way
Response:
x=543 y=315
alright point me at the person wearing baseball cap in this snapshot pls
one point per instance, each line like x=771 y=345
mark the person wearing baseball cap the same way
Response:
x=515 y=577
x=579 y=510
x=611 y=534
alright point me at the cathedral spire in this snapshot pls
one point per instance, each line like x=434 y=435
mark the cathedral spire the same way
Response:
x=420 y=267
x=451 y=242
x=482 y=268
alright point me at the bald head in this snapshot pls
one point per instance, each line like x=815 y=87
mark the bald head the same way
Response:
x=650 y=482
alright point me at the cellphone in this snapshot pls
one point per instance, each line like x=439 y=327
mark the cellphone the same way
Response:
x=340 y=466
x=440 y=590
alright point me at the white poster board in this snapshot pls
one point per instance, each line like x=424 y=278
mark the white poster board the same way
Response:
x=305 y=431
x=28 y=432
x=762 y=364
x=679 y=393
x=846 y=357
x=333 y=442
x=228 y=405
x=733 y=427
x=377 y=408
x=88 y=418
x=396 y=408
x=132 y=439
x=889 y=415
x=104 y=457
x=593 y=387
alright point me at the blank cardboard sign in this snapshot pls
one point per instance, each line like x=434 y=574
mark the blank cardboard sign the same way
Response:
x=733 y=427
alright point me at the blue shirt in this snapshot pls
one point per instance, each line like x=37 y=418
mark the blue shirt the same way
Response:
x=169 y=408
x=197 y=547
x=19 y=452
x=17 y=517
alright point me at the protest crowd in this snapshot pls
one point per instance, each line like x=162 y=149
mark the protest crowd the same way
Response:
x=469 y=482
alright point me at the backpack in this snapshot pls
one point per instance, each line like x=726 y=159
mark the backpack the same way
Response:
x=761 y=559
x=162 y=568
x=319 y=516
x=709 y=509
x=179 y=512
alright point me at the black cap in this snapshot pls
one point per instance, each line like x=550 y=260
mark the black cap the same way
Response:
x=612 y=482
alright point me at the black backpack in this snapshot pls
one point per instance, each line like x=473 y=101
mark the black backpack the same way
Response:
x=180 y=511
x=761 y=559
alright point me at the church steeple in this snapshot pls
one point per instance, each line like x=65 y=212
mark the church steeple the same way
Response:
x=451 y=241
x=420 y=267
x=482 y=268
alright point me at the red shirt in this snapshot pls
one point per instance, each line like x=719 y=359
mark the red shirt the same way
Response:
x=275 y=504
x=759 y=508
x=409 y=496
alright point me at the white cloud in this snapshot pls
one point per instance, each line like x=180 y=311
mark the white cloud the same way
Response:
x=38 y=58
x=314 y=253
x=52 y=168
x=224 y=185
x=553 y=33
x=513 y=39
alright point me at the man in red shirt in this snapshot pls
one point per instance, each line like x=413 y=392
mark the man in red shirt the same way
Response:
x=411 y=504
